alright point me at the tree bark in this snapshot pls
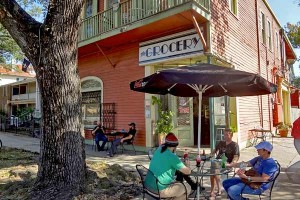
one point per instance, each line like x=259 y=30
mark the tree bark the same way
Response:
x=52 y=49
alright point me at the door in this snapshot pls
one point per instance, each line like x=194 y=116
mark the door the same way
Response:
x=182 y=108
x=220 y=110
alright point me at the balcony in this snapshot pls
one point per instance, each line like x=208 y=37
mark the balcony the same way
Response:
x=131 y=15
x=27 y=96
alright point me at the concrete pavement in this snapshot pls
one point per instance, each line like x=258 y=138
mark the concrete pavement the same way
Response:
x=287 y=186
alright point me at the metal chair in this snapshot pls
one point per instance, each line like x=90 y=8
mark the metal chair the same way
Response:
x=268 y=192
x=153 y=192
x=150 y=153
x=130 y=143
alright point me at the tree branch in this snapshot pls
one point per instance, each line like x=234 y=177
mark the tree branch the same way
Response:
x=22 y=27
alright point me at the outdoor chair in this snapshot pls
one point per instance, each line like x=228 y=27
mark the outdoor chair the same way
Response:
x=268 y=192
x=128 y=143
x=154 y=193
x=151 y=152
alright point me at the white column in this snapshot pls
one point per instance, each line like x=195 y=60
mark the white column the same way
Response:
x=37 y=98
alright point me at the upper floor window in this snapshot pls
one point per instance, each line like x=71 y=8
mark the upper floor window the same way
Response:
x=88 y=8
x=263 y=27
x=269 y=35
x=233 y=6
x=277 y=44
x=110 y=3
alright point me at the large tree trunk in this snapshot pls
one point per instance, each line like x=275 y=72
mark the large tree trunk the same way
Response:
x=52 y=49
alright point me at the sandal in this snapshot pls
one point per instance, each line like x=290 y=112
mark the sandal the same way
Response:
x=212 y=196
x=219 y=193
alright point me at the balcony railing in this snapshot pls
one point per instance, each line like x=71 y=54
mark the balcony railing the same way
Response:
x=26 y=96
x=129 y=12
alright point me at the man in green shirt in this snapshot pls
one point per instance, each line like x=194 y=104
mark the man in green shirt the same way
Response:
x=164 y=165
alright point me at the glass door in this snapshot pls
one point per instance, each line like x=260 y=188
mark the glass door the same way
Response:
x=182 y=108
x=220 y=110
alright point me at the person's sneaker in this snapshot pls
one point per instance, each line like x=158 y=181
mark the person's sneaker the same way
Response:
x=109 y=154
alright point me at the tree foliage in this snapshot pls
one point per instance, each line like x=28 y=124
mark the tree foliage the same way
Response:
x=293 y=33
x=51 y=47
x=9 y=49
x=296 y=82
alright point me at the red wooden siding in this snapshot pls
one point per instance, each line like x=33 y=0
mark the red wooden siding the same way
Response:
x=234 y=38
x=129 y=104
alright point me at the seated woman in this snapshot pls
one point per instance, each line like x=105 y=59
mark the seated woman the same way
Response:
x=126 y=138
x=264 y=166
x=164 y=164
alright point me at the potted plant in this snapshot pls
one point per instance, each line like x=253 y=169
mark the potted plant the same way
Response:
x=283 y=129
x=164 y=123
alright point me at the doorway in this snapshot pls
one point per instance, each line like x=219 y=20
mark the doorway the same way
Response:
x=205 y=120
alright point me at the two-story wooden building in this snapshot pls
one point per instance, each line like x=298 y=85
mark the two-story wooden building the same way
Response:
x=121 y=41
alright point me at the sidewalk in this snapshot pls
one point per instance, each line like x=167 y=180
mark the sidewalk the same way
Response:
x=287 y=187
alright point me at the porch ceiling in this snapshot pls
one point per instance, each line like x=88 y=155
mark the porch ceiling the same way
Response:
x=166 y=26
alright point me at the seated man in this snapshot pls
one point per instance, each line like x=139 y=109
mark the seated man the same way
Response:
x=231 y=150
x=164 y=164
x=98 y=133
x=126 y=138
x=264 y=166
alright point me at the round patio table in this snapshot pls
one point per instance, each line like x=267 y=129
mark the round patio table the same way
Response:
x=204 y=171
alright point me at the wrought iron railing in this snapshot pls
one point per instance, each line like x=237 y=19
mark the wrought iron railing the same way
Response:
x=129 y=12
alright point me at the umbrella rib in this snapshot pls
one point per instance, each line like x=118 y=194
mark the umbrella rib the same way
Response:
x=223 y=88
x=199 y=88
x=208 y=87
x=172 y=86
x=195 y=87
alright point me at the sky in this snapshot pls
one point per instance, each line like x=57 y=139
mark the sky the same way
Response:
x=287 y=11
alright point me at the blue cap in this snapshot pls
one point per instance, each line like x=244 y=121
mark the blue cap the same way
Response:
x=265 y=145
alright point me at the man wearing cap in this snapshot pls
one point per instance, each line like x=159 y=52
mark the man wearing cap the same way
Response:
x=164 y=164
x=263 y=164
x=126 y=138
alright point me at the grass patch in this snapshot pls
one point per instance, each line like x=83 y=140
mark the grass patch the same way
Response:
x=18 y=170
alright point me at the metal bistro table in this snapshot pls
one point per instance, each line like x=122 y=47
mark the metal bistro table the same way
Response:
x=111 y=136
x=205 y=170
x=258 y=133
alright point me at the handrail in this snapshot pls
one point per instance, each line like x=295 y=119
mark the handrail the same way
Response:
x=127 y=13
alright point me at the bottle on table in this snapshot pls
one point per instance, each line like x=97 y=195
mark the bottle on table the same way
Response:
x=185 y=159
x=198 y=160
x=224 y=160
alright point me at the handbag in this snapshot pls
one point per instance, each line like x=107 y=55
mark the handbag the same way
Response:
x=254 y=185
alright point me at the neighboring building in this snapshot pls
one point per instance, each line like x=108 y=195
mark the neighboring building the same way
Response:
x=8 y=77
x=121 y=41
x=14 y=74
x=18 y=95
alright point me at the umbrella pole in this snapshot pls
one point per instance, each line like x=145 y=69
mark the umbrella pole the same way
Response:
x=199 y=132
x=199 y=121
